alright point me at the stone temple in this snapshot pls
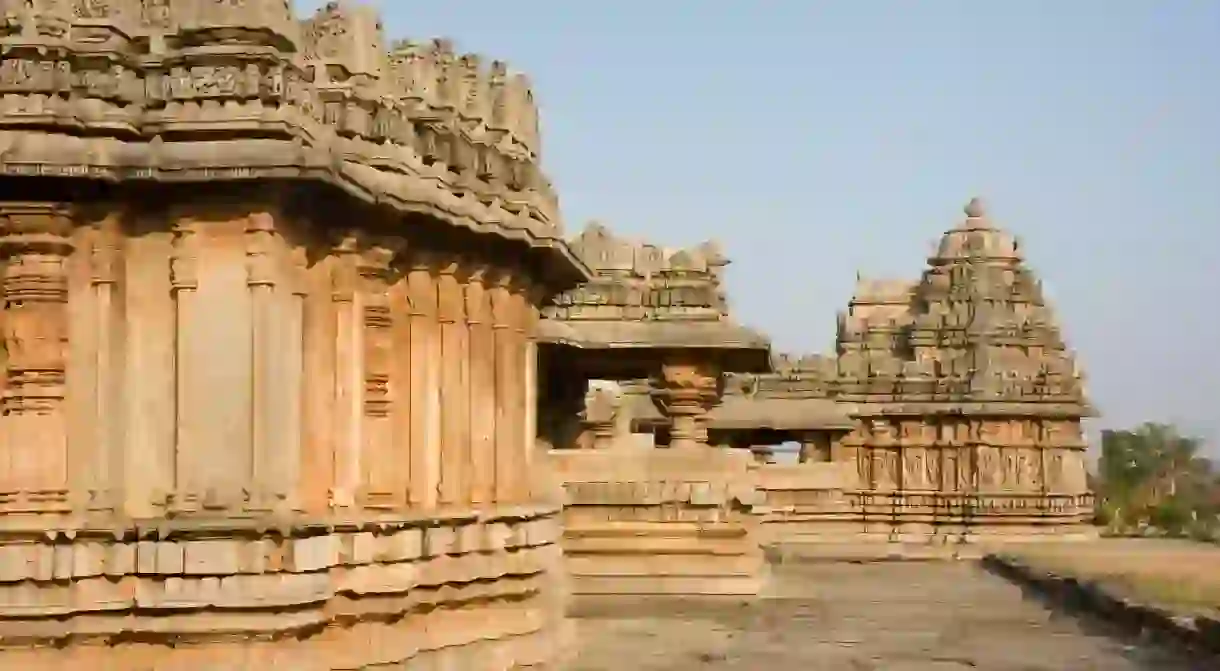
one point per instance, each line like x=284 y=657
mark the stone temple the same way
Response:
x=949 y=415
x=269 y=297
x=300 y=371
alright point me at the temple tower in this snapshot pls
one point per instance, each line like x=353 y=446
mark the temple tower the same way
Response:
x=969 y=403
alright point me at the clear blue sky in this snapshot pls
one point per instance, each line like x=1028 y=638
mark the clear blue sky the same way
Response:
x=818 y=138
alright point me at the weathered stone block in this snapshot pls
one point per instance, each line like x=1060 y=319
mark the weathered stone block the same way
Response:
x=88 y=559
x=314 y=553
x=146 y=557
x=468 y=538
x=498 y=536
x=101 y=594
x=212 y=557
x=63 y=561
x=18 y=561
x=254 y=555
x=439 y=540
x=120 y=559
x=403 y=545
x=169 y=558
x=360 y=548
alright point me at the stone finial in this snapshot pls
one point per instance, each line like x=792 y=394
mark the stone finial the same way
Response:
x=262 y=22
x=475 y=92
x=520 y=113
x=346 y=36
x=414 y=74
x=975 y=209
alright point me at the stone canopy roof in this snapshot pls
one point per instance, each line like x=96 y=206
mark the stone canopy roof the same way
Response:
x=644 y=297
x=193 y=91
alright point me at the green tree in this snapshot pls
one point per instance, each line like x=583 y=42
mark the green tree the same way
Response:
x=1154 y=475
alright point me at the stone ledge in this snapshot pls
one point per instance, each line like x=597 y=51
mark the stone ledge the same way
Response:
x=198 y=588
x=249 y=525
x=45 y=559
x=1195 y=633
x=500 y=636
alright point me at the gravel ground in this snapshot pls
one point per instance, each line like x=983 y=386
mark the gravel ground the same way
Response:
x=891 y=616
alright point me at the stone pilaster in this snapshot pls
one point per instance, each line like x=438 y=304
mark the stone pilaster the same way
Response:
x=524 y=364
x=685 y=391
x=425 y=347
x=381 y=484
x=184 y=287
x=275 y=325
x=482 y=387
x=348 y=408
x=35 y=243
x=95 y=360
x=454 y=382
x=507 y=334
x=318 y=388
x=403 y=409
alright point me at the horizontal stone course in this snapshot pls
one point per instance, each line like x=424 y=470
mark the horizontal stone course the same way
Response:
x=200 y=588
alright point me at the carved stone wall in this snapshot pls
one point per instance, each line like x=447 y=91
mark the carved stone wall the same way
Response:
x=636 y=281
x=270 y=295
x=214 y=414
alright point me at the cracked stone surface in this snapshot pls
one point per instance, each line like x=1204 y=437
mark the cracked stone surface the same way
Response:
x=908 y=616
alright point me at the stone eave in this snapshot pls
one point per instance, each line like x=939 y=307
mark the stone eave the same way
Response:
x=738 y=349
x=780 y=414
x=865 y=408
x=420 y=194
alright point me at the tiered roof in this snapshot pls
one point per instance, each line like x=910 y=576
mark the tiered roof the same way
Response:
x=647 y=297
x=975 y=329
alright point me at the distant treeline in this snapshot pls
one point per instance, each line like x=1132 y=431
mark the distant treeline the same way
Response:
x=1152 y=480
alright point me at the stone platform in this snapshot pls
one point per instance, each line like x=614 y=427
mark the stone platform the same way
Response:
x=454 y=590
x=660 y=522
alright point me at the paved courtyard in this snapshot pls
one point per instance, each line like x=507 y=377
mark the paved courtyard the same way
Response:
x=908 y=616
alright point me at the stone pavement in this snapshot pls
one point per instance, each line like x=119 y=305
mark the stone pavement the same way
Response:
x=895 y=616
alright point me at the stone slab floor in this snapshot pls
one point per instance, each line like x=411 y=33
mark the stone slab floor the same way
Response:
x=891 y=616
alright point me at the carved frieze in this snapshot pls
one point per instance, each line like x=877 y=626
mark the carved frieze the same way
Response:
x=163 y=78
